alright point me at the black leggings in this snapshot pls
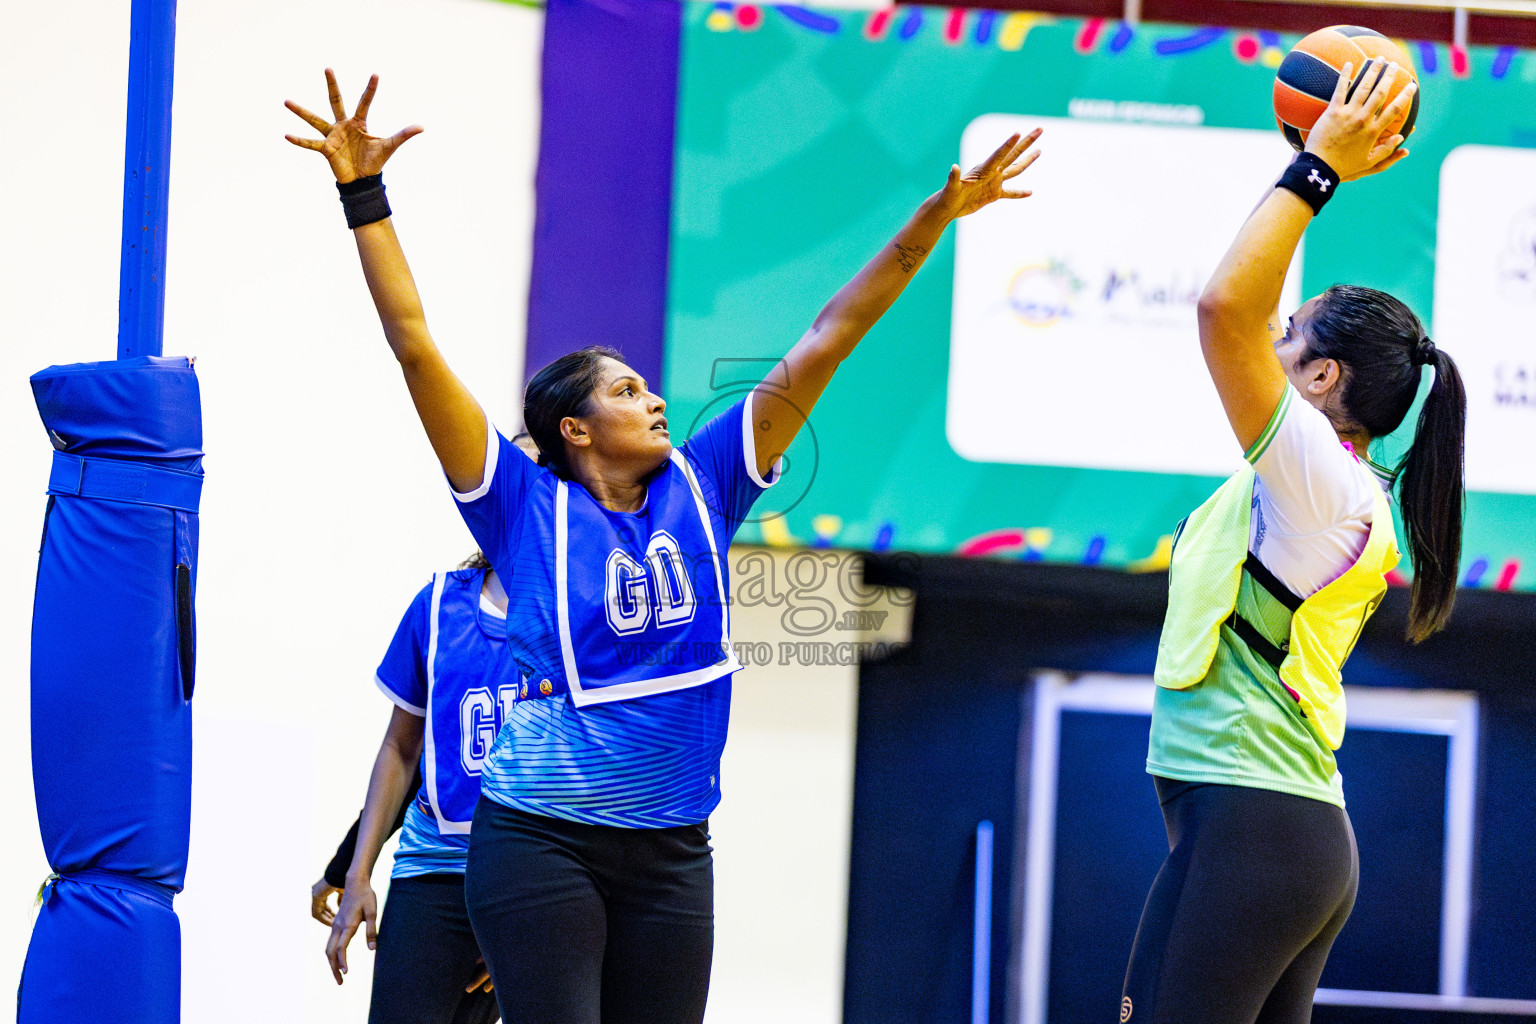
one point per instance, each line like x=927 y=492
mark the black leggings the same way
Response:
x=426 y=955
x=582 y=924
x=1243 y=913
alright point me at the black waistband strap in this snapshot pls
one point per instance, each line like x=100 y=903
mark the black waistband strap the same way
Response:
x=1249 y=634
x=1266 y=579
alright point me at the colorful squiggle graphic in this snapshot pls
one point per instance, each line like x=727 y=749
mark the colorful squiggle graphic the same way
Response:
x=1008 y=31
x=1475 y=572
x=1501 y=62
x=813 y=20
x=1461 y=64
x=1429 y=60
x=1088 y=36
x=1196 y=40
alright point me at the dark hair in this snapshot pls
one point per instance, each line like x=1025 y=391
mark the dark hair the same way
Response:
x=1381 y=347
x=563 y=388
x=476 y=561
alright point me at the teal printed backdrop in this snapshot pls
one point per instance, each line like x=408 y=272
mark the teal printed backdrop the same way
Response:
x=806 y=137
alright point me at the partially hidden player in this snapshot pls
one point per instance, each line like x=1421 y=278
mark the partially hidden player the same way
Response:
x=333 y=880
x=1272 y=580
x=590 y=880
x=450 y=677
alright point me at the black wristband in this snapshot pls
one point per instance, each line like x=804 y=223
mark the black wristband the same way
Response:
x=363 y=200
x=1311 y=179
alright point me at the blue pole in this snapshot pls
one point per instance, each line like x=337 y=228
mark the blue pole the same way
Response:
x=981 y=951
x=146 y=178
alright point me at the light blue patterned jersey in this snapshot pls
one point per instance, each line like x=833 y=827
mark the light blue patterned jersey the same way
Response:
x=424 y=850
x=620 y=621
x=448 y=663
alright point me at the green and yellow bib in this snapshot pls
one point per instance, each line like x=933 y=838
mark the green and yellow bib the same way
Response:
x=1249 y=675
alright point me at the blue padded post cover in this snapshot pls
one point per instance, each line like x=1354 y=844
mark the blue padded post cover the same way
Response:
x=113 y=653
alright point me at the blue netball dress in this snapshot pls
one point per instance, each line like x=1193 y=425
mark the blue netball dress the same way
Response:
x=448 y=663
x=620 y=624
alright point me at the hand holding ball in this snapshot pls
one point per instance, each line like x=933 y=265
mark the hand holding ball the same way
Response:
x=1310 y=72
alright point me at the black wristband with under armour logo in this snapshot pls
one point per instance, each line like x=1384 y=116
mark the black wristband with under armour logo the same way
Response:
x=1311 y=179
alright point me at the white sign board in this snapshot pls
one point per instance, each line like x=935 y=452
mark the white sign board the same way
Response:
x=1073 y=339
x=1485 y=307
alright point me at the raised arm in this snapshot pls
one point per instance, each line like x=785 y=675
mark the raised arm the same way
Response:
x=394 y=770
x=782 y=403
x=1237 y=311
x=454 y=421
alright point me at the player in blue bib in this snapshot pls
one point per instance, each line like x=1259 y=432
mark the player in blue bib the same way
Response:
x=590 y=881
x=450 y=677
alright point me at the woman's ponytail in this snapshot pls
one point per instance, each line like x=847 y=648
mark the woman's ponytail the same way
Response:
x=1382 y=347
x=1431 y=489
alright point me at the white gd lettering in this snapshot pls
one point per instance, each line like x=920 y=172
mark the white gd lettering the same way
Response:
x=672 y=589
x=628 y=604
x=662 y=583
x=480 y=719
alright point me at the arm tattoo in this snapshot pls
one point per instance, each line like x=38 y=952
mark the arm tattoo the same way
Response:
x=909 y=255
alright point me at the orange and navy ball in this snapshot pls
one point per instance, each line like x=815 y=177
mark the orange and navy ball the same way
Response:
x=1307 y=76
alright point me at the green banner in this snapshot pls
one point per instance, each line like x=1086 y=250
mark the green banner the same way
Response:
x=1028 y=396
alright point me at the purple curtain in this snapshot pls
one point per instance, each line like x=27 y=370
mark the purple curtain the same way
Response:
x=604 y=187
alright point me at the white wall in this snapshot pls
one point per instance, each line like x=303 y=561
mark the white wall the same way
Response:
x=323 y=509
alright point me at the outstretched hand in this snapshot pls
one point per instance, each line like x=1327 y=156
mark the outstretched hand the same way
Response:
x=1350 y=136
x=351 y=151
x=982 y=185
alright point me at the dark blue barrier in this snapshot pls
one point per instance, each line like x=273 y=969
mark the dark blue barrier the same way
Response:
x=113 y=658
